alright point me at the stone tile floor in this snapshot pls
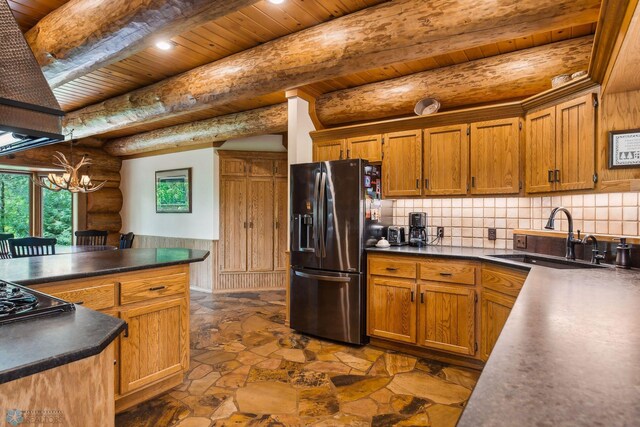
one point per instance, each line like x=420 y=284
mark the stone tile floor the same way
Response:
x=247 y=368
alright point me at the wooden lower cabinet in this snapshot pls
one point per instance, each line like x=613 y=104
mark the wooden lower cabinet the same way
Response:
x=151 y=356
x=495 y=311
x=455 y=309
x=392 y=309
x=156 y=343
x=447 y=318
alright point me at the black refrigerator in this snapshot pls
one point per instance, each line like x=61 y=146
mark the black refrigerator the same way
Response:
x=336 y=211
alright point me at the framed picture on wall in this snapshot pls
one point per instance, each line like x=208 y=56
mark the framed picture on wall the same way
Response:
x=624 y=149
x=173 y=191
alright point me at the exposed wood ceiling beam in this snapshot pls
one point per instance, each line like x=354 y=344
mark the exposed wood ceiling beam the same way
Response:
x=260 y=121
x=517 y=74
x=84 y=35
x=510 y=76
x=386 y=34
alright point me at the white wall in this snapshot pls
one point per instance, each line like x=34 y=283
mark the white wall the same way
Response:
x=138 y=191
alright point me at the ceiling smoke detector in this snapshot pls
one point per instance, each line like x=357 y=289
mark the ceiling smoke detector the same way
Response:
x=427 y=106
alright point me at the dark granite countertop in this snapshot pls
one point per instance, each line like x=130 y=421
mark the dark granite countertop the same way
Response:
x=35 y=345
x=43 y=269
x=569 y=353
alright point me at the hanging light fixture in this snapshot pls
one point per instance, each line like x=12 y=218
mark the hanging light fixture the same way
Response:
x=71 y=180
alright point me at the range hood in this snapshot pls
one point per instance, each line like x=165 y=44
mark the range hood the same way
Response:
x=30 y=115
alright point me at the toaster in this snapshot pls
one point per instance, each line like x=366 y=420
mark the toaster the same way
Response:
x=395 y=235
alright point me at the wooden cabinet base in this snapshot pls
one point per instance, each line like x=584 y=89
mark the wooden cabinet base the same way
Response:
x=130 y=400
x=78 y=394
x=413 y=350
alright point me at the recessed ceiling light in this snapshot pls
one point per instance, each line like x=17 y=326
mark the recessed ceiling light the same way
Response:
x=276 y=1
x=164 y=45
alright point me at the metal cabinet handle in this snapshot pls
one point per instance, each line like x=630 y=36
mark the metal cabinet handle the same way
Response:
x=392 y=268
x=340 y=155
x=251 y=224
x=550 y=175
x=412 y=296
x=348 y=153
x=473 y=181
x=126 y=330
x=557 y=175
x=446 y=274
x=426 y=183
x=418 y=183
x=79 y=302
x=157 y=288
x=422 y=297
x=320 y=277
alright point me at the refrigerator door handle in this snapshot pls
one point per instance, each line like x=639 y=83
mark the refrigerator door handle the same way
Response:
x=316 y=216
x=323 y=278
x=323 y=215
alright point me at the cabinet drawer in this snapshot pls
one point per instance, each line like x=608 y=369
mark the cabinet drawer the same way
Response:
x=448 y=271
x=504 y=280
x=391 y=267
x=96 y=297
x=152 y=287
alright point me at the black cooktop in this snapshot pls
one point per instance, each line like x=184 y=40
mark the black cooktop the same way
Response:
x=18 y=303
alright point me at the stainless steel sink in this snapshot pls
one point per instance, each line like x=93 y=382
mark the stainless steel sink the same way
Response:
x=552 y=262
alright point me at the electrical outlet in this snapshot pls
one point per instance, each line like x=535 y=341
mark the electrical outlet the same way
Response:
x=521 y=241
x=440 y=232
x=492 y=234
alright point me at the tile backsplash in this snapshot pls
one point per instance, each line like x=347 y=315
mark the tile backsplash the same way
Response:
x=466 y=220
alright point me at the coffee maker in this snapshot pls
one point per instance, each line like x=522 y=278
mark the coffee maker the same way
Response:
x=417 y=229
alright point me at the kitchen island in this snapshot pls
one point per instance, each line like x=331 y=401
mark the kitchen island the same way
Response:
x=146 y=289
x=569 y=349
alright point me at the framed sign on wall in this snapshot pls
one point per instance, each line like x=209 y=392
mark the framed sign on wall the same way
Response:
x=624 y=149
x=173 y=191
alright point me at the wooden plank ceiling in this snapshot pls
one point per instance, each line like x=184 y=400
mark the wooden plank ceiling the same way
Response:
x=243 y=30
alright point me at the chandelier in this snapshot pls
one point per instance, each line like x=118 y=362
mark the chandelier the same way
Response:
x=70 y=180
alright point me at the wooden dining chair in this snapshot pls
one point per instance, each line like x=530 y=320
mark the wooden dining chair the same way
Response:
x=126 y=240
x=5 y=252
x=91 y=238
x=32 y=246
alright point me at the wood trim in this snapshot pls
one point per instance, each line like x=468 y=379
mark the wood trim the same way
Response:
x=557 y=95
x=179 y=149
x=248 y=155
x=612 y=27
x=563 y=235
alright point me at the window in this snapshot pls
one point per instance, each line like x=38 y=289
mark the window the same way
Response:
x=15 y=204
x=28 y=210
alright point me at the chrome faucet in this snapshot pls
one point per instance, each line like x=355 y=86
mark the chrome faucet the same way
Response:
x=595 y=253
x=571 y=242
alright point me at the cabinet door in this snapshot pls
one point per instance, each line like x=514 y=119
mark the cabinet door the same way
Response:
x=575 y=144
x=281 y=215
x=446 y=160
x=402 y=164
x=233 y=196
x=495 y=157
x=232 y=167
x=392 y=309
x=156 y=345
x=495 y=310
x=541 y=150
x=447 y=318
x=365 y=147
x=261 y=224
x=261 y=167
x=329 y=150
x=282 y=168
x=116 y=353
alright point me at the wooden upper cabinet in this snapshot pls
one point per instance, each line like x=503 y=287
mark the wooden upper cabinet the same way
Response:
x=281 y=218
x=392 y=309
x=233 y=194
x=540 y=150
x=329 y=150
x=232 y=166
x=261 y=224
x=402 y=164
x=365 y=147
x=156 y=345
x=495 y=157
x=447 y=318
x=446 y=160
x=575 y=144
x=261 y=167
x=281 y=168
